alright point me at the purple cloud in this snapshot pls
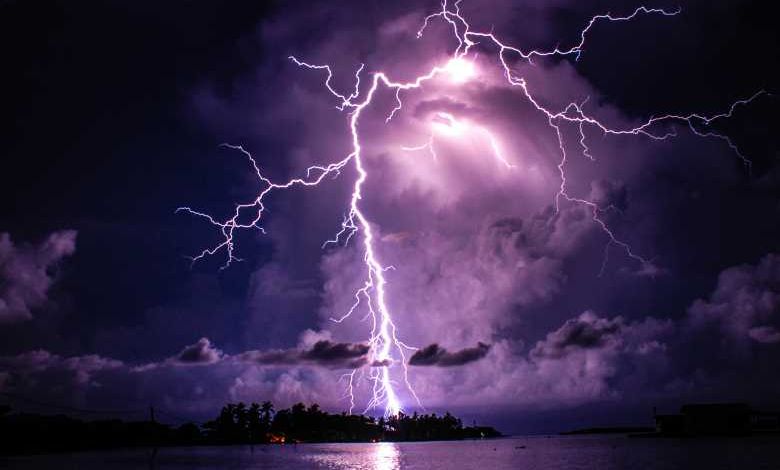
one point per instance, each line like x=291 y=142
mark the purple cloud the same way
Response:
x=745 y=305
x=40 y=369
x=764 y=334
x=25 y=273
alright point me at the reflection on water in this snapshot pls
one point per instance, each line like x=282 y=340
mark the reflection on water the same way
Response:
x=386 y=456
x=379 y=456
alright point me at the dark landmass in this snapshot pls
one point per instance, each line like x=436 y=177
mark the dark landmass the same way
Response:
x=716 y=419
x=701 y=419
x=609 y=430
x=25 y=433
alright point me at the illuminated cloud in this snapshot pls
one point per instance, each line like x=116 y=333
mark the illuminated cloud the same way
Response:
x=476 y=251
x=588 y=358
x=202 y=352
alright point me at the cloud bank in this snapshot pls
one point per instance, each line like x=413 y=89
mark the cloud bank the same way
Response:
x=587 y=358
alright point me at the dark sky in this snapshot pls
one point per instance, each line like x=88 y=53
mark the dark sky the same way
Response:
x=112 y=116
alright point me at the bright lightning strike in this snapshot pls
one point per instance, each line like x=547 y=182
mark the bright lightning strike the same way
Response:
x=387 y=351
x=460 y=70
x=446 y=125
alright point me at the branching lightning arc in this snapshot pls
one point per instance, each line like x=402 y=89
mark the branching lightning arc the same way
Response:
x=386 y=349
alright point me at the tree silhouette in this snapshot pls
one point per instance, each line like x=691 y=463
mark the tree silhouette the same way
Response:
x=236 y=423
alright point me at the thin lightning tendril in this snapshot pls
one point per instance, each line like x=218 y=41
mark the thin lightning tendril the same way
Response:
x=383 y=340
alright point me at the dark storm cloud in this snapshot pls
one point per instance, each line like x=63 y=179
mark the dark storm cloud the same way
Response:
x=724 y=347
x=435 y=355
x=41 y=370
x=326 y=352
x=26 y=273
x=583 y=332
x=323 y=353
x=201 y=352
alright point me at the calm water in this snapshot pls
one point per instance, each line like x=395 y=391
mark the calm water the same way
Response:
x=537 y=453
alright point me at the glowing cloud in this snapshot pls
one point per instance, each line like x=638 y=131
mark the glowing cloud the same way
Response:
x=460 y=70
x=385 y=346
x=446 y=124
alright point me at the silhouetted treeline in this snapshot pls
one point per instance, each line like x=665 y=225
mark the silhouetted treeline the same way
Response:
x=236 y=424
x=239 y=423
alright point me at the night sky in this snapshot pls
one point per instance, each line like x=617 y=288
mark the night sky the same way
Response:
x=112 y=117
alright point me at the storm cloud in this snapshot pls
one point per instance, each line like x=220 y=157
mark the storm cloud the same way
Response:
x=587 y=331
x=40 y=371
x=322 y=353
x=491 y=268
x=435 y=355
x=745 y=304
x=26 y=273
x=202 y=352
x=315 y=350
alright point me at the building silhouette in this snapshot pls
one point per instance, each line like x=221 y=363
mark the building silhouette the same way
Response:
x=717 y=419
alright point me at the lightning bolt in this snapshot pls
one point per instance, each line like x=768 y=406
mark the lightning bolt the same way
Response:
x=386 y=349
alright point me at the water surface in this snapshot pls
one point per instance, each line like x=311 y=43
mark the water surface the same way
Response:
x=532 y=453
